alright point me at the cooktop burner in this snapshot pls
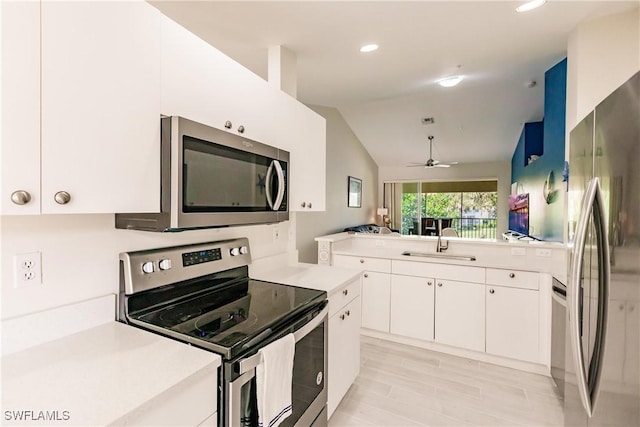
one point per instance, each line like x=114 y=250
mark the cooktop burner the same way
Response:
x=224 y=316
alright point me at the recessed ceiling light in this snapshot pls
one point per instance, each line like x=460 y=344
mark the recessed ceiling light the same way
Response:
x=450 y=81
x=369 y=48
x=530 y=5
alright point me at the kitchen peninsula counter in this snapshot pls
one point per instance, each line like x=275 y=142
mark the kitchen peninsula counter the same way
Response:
x=542 y=257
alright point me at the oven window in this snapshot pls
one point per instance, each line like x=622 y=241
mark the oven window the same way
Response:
x=308 y=381
x=217 y=178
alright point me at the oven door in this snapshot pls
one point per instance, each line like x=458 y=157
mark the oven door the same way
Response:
x=309 y=393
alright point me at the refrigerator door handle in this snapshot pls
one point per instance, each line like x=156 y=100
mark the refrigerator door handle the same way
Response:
x=589 y=390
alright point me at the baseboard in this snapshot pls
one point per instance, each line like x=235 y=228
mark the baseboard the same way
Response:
x=460 y=352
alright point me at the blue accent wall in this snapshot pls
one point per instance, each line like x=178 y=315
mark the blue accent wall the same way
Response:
x=542 y=178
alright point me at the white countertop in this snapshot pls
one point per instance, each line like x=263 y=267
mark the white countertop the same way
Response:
x=320 y=277
x=99 y=375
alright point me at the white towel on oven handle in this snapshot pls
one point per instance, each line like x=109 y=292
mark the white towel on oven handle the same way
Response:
x=274 y=377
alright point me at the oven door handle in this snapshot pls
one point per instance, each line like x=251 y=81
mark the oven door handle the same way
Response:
x=252 y=361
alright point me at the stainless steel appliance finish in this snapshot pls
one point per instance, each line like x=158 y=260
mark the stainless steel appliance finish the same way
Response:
x=202 y=295
x=212 y=178
x=602 y=361
x=558 y=329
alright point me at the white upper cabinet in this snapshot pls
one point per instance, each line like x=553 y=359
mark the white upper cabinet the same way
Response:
x=100 y=107
x=20 y=156
x=303 y=133
x=202 y=84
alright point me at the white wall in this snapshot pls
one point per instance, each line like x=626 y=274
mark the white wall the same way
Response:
x=602 y=54
x=345 y=157
x=468 y=171
x=80 y=254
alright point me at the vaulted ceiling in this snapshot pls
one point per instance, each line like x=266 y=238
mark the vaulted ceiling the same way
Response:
x=383 y=95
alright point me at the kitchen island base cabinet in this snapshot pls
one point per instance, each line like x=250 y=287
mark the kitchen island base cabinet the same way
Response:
x=460 y=314
x=412 y=303
x=344 y=352
x=376 y=290
x=512 y=323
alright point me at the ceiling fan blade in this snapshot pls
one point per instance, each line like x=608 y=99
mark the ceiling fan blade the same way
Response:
x=442 y=165
x=421 y=165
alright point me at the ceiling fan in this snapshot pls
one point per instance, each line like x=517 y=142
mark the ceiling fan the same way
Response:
x=431 y=163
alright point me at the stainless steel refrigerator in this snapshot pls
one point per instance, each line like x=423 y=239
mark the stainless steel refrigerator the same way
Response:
x=602 y=378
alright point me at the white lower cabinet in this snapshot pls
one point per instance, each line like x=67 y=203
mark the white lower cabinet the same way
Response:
x=412 y=305
x=376 y=293
x=344 y=352
x=460 y=314
x=512 y=323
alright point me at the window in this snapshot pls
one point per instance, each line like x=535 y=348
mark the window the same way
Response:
x=469 y=207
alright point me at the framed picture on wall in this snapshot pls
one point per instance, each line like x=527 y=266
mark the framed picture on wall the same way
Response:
x=354 y=193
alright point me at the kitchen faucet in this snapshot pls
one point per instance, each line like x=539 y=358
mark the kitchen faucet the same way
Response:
x=439 y=246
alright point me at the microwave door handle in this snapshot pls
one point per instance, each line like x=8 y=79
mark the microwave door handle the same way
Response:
x=281 y=185
x=268 y=183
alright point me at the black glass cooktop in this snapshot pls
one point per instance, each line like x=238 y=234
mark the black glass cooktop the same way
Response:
x=222 y=313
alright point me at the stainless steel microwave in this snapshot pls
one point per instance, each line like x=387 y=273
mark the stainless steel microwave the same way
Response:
x=212 y=178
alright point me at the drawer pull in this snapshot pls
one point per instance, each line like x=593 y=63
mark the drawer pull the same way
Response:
x=440 y=285
x=361 y=261
x=429 y=283
x=366 y=275
x=491 y=291
x=512 y=275
x=345 y=292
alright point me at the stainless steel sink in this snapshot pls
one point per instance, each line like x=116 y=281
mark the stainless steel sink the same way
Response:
x=440 y=255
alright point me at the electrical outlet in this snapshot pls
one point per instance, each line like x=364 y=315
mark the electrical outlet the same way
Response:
x=27 y=269
x=518 y=251
x=543 y=252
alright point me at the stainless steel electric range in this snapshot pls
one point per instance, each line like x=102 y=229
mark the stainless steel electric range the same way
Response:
x=202 y=295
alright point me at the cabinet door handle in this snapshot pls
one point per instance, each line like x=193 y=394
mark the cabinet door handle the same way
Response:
x=342 y=317
x=309 y=205
x=20 y=197
x=241 y=129
x=366 y=275
x=361 y=261
x=228 y=124
x=429 y=283
x=345 y=292
x=440 y=284
x=512 y=275
x=62 y=197
x=491 y=291
x=303 y=204
x=348 y=313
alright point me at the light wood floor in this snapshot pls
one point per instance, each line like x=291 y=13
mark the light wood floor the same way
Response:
x=401 y=385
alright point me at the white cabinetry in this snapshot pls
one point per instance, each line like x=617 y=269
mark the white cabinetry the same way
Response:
x=100 y=106
x=96 y=150
x=344 y=341
x=20 y=155
x=412 y=305
x=376 y=289
x=512 y=323
x=460 y=314
x=202 y=84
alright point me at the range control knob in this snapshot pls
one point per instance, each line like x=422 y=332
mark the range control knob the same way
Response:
x=234 y=251
x=165 y=264
x=148 y=267
x=244 y=250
